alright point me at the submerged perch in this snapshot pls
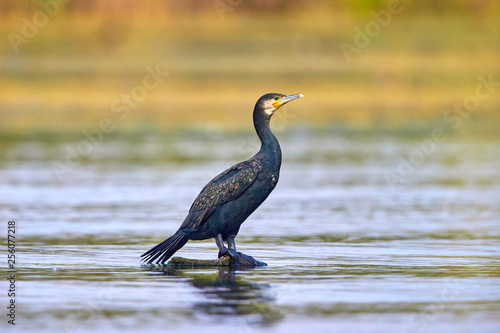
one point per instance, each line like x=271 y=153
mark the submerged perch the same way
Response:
x=226 y=261
x=186 y=262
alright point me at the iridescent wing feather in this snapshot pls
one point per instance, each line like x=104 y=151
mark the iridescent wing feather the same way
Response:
x=224 y=188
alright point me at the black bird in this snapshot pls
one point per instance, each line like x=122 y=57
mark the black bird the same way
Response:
x=228 y=199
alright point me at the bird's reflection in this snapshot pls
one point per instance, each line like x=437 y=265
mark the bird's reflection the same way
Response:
x=225 y=292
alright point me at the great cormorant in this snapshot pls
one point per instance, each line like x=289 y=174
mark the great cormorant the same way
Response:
x=228 y=199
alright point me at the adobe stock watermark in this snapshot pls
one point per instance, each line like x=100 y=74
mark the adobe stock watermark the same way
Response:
x=11 y=272
x=455 y=117
x=120 y=107
x=30 y=28
x=372 y=29
x=450 y=293
x=97 y=304
x=223 y=6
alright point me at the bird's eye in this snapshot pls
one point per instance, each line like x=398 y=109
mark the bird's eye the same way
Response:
x=276 y=98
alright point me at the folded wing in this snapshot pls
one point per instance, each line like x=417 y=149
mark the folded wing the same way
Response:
x=224 y=188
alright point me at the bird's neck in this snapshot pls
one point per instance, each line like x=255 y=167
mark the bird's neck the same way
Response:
x=270 y=146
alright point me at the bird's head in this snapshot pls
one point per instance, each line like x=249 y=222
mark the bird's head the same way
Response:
x=269 y=103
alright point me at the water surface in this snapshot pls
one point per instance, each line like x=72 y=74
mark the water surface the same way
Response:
x=346 y=251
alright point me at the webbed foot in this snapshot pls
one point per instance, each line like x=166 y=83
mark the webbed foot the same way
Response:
x=235 y=256
x=225 y=251
x=240 y=259
x=246 y=260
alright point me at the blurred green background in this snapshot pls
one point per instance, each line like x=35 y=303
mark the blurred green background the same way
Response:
x=62 y=74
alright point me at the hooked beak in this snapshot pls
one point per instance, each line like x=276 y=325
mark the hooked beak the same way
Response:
x=279 y=103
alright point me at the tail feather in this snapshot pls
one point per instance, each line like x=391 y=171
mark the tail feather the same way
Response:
x=165 y=249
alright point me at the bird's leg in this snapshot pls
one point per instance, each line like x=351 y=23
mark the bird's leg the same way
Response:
x=220 y=244
x=232 y=249
x=230 y=243
x=223 y=250
x=243 y=259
